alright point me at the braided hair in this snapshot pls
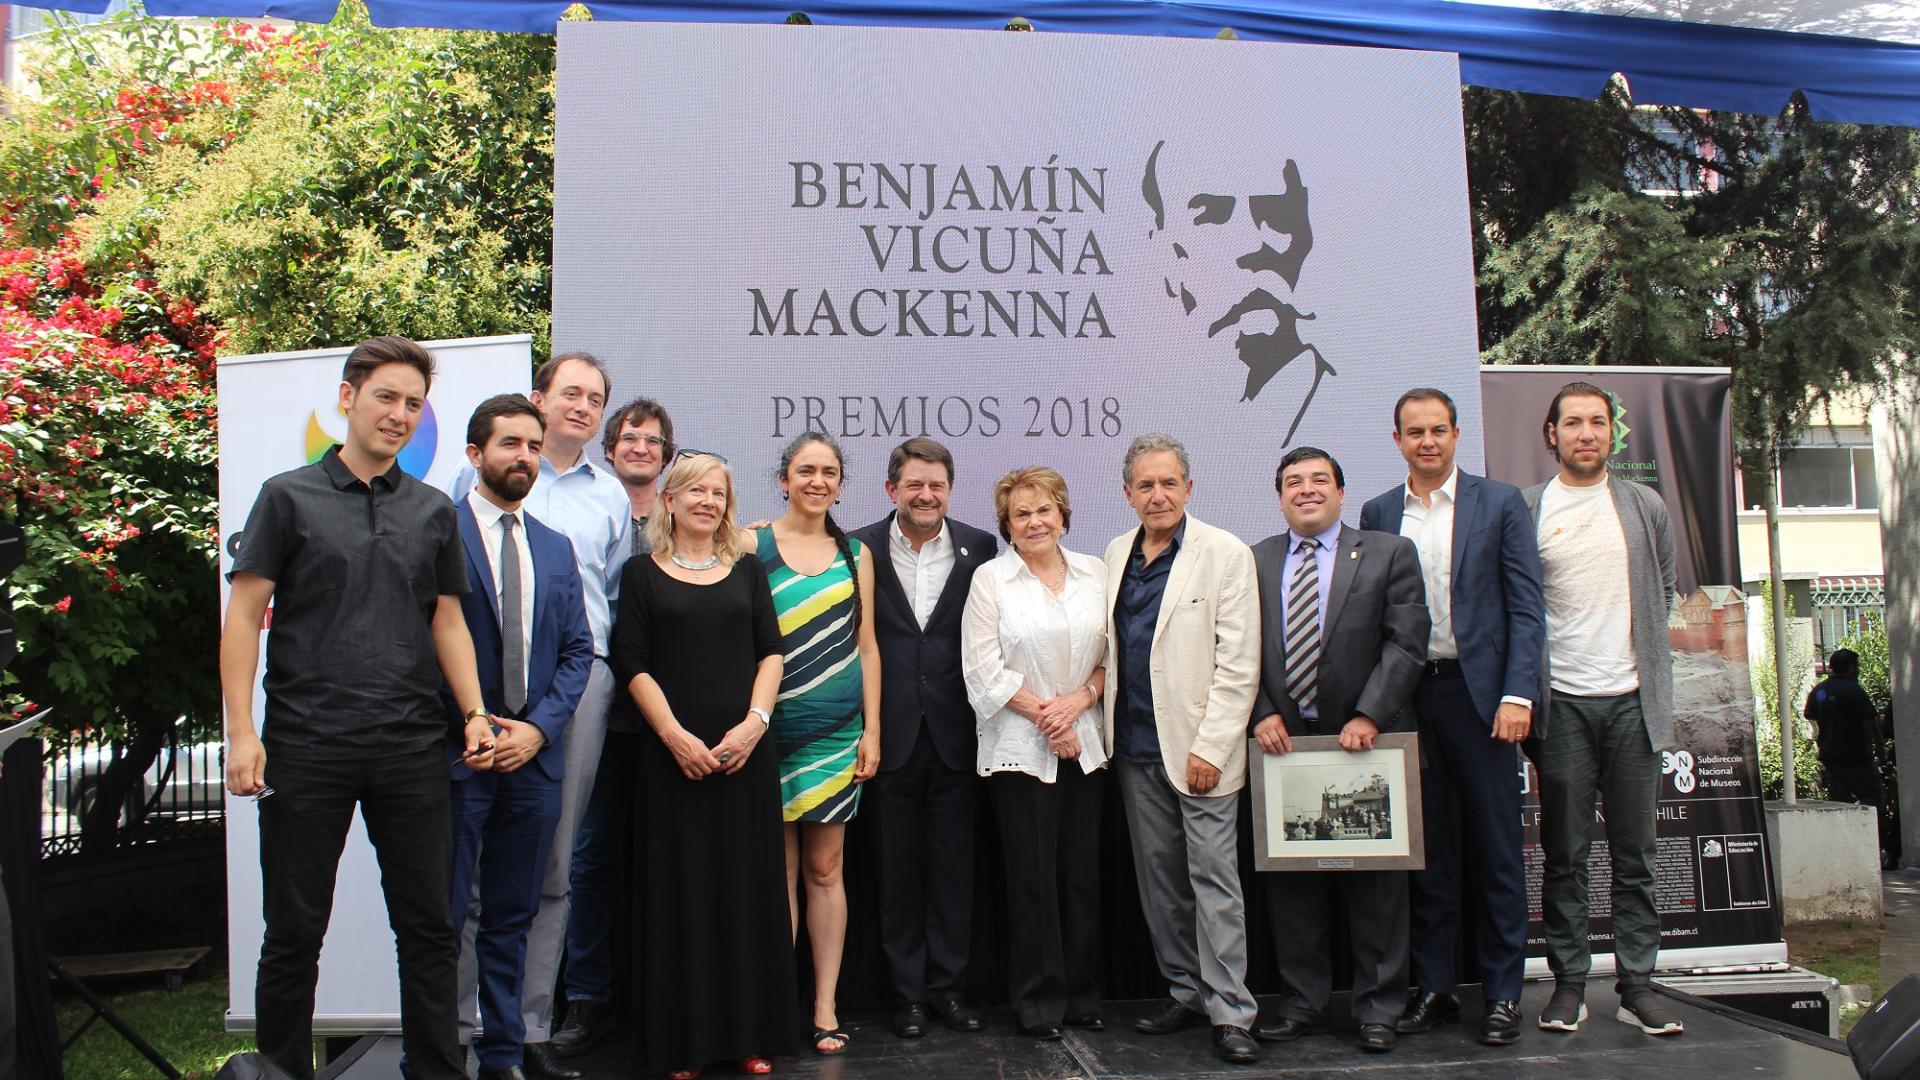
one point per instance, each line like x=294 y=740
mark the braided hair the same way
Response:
x=834 y=530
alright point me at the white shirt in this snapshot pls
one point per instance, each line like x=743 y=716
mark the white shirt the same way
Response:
x=1018 y=634
x=588 y=506
x=488 y=517
x=1583 y=561
x=1431 y=530
x=923 y=573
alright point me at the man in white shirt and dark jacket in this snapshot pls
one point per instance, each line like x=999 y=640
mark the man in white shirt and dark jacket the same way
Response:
x=926 y=784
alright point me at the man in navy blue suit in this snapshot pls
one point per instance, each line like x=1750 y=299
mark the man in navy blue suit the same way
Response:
x=530 y=635
x=1474 y=704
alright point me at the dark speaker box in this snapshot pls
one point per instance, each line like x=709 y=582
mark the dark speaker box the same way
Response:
x=1885 y=1044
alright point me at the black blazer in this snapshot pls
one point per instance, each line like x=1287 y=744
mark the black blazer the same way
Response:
x=920 y=669
x=1372 y=645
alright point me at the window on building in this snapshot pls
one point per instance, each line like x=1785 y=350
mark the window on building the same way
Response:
x=1824 y=477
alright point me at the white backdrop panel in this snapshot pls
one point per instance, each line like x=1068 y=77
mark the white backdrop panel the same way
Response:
x=912 y=188
x=276 y=412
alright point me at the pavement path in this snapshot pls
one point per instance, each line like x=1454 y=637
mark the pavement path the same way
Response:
x=1900 y=940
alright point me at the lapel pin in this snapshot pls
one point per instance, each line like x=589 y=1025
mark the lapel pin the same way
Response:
x=963 y=551
x=1353 y=554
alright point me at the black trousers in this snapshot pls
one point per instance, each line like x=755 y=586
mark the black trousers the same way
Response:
x=405 y=801
x=1050 y=840
x=1470 y=800
x=926 y=818
x=1300 y=911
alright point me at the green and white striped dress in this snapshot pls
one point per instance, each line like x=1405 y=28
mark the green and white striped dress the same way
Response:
x=816 y=719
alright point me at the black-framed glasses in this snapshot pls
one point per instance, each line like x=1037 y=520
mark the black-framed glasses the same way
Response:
x=688 y=451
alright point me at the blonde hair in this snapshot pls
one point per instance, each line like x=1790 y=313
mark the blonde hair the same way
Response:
x=684 y=471
x=1039 y=478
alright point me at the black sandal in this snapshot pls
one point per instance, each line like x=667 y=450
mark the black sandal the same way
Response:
x=823 y=1034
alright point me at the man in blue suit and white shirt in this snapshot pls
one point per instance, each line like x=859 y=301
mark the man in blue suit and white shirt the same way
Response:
x=530 y=635
x=1474 y=703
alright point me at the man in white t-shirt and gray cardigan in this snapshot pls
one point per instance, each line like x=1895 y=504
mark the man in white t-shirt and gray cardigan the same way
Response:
x=1607 y=560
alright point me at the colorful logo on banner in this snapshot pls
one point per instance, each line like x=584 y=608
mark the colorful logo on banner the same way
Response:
x=1640 y=472
x=1282 y=215
x=415 y=458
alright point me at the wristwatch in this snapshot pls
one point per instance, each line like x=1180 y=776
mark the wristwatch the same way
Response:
x=765 y=716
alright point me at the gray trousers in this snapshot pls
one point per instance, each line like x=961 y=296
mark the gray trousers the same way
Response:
x=1598 y=747
x=547 y=940
x=1185 y=851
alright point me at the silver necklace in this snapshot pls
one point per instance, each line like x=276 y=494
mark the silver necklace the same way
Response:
x=685 y=565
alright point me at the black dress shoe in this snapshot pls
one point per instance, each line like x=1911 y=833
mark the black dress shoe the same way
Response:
x=1427 y=1011
x=1283 y=1029
x=1234 y=1046
x=1170 y=1017
x=1379 y=1038
x=587 y=1023
x=1092 y=1021
x=541 y=1063
x=910 y=1021
x=512 y=1073
x=958 y=1015
x=1501 y=1025
x=1041 y=1031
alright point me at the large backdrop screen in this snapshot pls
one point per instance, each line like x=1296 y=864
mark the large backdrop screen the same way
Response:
x=1031 y=247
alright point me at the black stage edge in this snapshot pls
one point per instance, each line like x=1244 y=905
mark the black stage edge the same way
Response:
x=1718 y=1042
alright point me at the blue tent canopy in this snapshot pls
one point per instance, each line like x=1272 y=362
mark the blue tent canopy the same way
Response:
x=1516 y=45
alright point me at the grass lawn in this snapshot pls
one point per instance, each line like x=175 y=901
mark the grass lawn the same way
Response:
x=1848 y=951
x=185 y=1027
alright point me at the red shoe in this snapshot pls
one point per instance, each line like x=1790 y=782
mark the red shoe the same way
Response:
x=756 y=1066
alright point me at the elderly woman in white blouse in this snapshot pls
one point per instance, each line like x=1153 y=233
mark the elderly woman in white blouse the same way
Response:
x=1032 y=644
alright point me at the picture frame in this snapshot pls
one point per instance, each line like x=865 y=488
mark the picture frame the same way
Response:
x=1319 y=807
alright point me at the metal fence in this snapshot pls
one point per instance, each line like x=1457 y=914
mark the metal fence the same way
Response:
x=178 y=797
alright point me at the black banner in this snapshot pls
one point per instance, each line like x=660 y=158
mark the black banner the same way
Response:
x=1672 y=432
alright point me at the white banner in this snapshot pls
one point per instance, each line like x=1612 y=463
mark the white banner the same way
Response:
x=278 y=412
x=1032 y=247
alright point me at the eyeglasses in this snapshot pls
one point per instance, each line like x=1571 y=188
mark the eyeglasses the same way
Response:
x=688 y=451
x=628 y=438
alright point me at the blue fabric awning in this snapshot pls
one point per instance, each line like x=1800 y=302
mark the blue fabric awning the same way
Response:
x=1540 y=50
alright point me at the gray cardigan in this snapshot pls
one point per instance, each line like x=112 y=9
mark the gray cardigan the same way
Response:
x=1650 y=583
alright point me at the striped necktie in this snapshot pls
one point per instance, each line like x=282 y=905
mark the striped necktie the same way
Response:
x=1303 y=628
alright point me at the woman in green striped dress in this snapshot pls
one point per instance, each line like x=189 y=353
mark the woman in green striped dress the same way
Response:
x=826 y=721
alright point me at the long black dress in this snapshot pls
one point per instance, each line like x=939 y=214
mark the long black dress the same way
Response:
x=713 y=952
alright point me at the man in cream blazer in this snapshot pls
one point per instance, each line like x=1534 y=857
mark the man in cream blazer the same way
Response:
x=1183 y=662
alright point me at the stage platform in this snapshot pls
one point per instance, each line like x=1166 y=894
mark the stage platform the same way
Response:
x=1717 y=1042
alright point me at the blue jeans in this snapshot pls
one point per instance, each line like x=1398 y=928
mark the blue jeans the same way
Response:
x=600 y=846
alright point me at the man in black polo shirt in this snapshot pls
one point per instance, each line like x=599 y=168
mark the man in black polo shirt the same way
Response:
x=364 y=566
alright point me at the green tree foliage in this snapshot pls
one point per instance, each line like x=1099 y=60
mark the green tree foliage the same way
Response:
x=1870 y=642
x=363 y=181
x=1785 y=249
x=170 y=190
x=1808 y=783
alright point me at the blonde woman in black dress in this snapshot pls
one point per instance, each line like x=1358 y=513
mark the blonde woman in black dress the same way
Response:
x=697 y=646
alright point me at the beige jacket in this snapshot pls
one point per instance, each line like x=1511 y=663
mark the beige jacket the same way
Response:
x=1206 y=653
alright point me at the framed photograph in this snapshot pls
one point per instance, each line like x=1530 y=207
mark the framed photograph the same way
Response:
x=1322 y=808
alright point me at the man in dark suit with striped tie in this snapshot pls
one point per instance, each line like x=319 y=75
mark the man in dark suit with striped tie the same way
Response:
x=1343 y=639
